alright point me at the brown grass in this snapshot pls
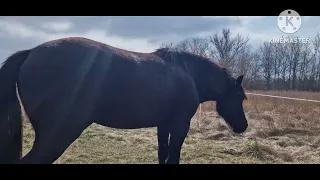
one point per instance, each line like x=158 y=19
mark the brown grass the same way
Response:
x=280 y=131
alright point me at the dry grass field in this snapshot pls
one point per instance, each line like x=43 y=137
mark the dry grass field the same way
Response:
x=280 y=131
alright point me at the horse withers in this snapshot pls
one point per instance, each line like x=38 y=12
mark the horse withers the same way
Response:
x=65 y=85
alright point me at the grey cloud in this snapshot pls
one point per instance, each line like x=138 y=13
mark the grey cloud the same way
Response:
x=161 y=26
x=153 y=30
x=11 y=44
x=135 y=26
x=82 y=23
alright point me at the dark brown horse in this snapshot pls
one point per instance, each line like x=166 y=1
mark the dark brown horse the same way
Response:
x=67 y=84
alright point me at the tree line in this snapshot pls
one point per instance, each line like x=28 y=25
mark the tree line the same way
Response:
x=270 y=66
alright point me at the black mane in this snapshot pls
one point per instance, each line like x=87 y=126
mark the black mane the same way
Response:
x=179 y=56
x=175 y=54
x=195 y=62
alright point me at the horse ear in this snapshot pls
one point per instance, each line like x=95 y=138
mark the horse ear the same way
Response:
x=239 y=79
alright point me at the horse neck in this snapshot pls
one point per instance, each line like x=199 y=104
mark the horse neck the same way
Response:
x=211 y=80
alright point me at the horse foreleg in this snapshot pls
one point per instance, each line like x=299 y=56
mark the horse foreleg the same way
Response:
x=163 y=143
x=178 y=133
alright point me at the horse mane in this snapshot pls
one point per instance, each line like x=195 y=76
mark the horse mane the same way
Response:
x=173 y=54
x=187 y=59
x=179 y=56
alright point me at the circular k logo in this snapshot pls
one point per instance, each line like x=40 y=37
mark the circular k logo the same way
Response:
x=289 y=21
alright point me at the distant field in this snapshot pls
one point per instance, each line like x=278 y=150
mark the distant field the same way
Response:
x=280 y=131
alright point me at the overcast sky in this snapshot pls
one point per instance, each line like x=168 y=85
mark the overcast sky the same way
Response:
x=143 y=34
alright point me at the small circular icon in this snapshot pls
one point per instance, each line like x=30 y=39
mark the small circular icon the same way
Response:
x=289 y=21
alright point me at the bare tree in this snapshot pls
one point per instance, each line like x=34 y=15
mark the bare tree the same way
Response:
x=170 y=45
x=304 y=66
x=296 y=57
x=266 y=59
x=227 y=49
x=196 y=45
x=315 y=71
x=253 y=78
x=282 y=66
